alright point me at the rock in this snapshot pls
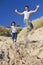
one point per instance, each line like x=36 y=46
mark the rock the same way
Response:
x=22 y=35
x=37 y=35
x=40 y=55
x=35 y=52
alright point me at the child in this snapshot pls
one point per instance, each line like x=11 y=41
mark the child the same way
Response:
x=14 y=31
x=27 y=14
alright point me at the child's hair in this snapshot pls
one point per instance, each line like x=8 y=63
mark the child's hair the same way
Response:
x=12 y=23
x=27 y=6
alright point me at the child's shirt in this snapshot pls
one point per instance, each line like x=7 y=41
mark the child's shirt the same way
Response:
x=27 y=14
x=14 y=30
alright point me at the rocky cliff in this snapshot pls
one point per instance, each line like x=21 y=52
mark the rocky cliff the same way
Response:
x=28 y=50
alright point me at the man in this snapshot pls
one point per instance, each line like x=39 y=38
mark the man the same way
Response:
x=27 y=13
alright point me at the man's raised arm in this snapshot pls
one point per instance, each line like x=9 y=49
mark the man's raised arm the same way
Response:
x=21 y=13
x=33 y=11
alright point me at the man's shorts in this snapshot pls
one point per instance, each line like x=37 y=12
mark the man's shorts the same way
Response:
x=28 y=24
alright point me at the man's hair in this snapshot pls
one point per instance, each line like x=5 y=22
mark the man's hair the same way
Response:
x=12 y=23
x=27 y=6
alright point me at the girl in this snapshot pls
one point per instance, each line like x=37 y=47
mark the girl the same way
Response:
x=14 y=31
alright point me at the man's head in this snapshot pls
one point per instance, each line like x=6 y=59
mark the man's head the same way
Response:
x=27 y=8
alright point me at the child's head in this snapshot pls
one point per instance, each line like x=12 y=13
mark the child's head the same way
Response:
x=13 y=23
x=27 y=8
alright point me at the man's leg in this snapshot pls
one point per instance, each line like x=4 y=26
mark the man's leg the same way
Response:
x=26 y=23
x=29 y=25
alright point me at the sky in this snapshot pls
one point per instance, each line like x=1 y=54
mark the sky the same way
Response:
x=7 y=14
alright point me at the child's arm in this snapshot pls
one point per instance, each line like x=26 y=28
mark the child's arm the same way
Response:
x=37 y=7
x=21 y=13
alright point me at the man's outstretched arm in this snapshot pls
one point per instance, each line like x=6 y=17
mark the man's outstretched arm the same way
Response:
x=33 y=11
x=21 y=13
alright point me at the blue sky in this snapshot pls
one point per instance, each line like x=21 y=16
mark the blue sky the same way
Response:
x=7 y=14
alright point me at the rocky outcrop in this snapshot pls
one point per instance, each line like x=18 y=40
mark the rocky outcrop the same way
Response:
x=28 y=50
